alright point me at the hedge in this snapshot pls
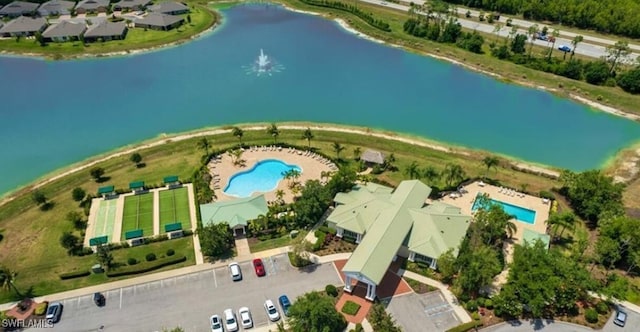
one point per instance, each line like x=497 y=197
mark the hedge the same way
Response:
x=319 y=242
x=146 y=267
x=75 y=274
x=41 y=308
x=326 y=229
x=465 y=327
x=350 y=308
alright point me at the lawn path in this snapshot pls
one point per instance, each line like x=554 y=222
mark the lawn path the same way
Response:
x=156 y=212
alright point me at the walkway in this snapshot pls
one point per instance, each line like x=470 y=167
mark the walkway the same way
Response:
x=243 y=252
x=194 y=223
x=156 y=212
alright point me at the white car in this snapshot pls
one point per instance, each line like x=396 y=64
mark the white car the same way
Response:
x=245 y=317
x=234 y=270
x=271 y=310
x=230 y=321
x=216 y=324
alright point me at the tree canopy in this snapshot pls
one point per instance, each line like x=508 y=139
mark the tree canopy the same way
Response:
x=592 y=193
x=215 y=239
x=313 y=312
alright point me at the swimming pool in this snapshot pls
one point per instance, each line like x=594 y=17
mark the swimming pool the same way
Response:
x=522 y=214
x=262 y=177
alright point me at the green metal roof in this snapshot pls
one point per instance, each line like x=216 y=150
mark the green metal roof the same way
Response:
x=136 y=185
x=133 y=234
x=357 y=209
x=435 y=233
x=237 y=212
x=170 y=179
x=530 y=237
x=105 y=190
x=98 y=240
x=173 y=227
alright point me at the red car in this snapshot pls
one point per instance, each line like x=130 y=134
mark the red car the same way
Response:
x=259 y=267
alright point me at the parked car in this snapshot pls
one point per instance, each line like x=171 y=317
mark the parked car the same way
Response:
x=272 y=311
x=54 y=312
x=230 y=321
x=216 y=324
x=543 y=37
x=245 y=317
x=259 y=267
x=564 y=48
x=621 y=318
x=99 y=299
x=236 y=273
x=284 y=304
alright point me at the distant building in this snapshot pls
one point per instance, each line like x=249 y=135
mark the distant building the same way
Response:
x=128 y=5
x=56 y=7
x=92 y=6
x=157 y=21
x=64 y=31
x=169 y=8
x=372 y=157
x=237 y=213
x=18 y=8
x=106 y=31
x=23 y=26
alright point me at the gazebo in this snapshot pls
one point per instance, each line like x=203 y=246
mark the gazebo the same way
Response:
x=371 y=157
x=137 y=187
x=106 y=191
x=171 y=181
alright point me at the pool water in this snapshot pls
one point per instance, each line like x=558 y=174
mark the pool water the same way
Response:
x=263 y=177
x=521 y=214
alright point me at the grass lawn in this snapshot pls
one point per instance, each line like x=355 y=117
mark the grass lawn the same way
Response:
x=138 y=214
x=174 y=207
x=256 y=245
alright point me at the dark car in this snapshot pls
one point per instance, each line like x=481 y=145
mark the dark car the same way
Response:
x=259 y=267
x=284 y=304
x=98 y=299
x=564 y=48
x=621 y=318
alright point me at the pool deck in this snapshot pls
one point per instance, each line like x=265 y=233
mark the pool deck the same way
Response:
x=526 y=201
x=223 y=169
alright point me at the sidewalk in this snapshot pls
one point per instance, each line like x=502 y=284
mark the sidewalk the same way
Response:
x=460 y=312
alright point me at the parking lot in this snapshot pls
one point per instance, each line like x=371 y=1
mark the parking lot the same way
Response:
x=189 y=300
x=422 y=312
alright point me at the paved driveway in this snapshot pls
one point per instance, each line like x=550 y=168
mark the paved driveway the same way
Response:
x=422 y=312
x=188 y=301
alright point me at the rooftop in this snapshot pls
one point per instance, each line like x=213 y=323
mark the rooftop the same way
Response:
x=236 y=212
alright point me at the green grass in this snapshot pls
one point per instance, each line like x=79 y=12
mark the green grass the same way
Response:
x=350 y=308
x=282 y=241
x=138 y=214
x=174 y=207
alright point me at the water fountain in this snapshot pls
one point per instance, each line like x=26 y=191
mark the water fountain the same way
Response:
x=263 y=65
x=263 y=62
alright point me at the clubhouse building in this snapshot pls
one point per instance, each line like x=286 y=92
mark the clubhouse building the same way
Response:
x=388 y=223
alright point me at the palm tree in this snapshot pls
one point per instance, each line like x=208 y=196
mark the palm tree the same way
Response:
x=576 y=40
x=357 y=152
x=496 y=30
x=337 y=147
x=279 y=195
x=453 y=173
x=412 y=171
x=389 y=161
x=561 y=221
x=274 y=132
x=430 y=173
x=238 y=133
x=307 y=135
x=490 y=161
x=555 y=34
x=8 y=278
x=532 y=31
x=203 y=144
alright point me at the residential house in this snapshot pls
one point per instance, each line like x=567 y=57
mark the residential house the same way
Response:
x=106 y=31
x=56 y=7
x=389 y=223
x=128 y=5
x=237 y=213
x=18 y=8
x=64 y=31
x=92 y=6
x=157 y=21
x=23 y=26
x=169 y=8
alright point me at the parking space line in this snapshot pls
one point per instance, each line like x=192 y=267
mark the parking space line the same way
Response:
x=120 y=298
x=78 y=301
x=215 y=280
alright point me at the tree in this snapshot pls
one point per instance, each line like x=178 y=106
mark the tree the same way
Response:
x=313 y=202
x=518 y=44
x=280 y=195
x=136 y=158
x=337 y=148
x=215 y=239
x=630 y=81
x=357 y=152
x=561 y=221
x=203 y=144
x=430 y=173
x=380 y=320
x=478 y=270
x=576 y=40
x=607 y=252
x=453 y=173
x=69 y=241
x=188 y=18
x=313 y=312
x=104 y=256
x=490 y=161
x=413 y=170
x=447 y=265
x=493 y=222
x=389 y=162
x=533 y=31
x=77 y=220
x=78 y=194
x=496 y=29
x=300 y=248
x=237 y=133
x=554 y=35
x=40 y=38
x=308 y=136
x=619 y=50
x=39 y=198
x=274 y=132
x=8 y=279
x=591 y=193
x=97 y=173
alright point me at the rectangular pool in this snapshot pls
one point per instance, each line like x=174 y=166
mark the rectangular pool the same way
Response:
x=522 y=214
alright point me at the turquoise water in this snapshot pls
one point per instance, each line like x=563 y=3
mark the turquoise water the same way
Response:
x=521 y=214
x=262 y=177
x=54 y=113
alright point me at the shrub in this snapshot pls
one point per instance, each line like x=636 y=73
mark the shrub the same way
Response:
x=319 y=242
x=146 y=267
x=132 y=261
x=328 y=230
x=602 y=308
x=73 y=275
x=547 y=194
x=150 y=257
x=331 y=290
x=475 y=315
x=298 y=261
x=591 y=315
x=471 y=305
x=465 y=327
x=171 y=252
x=359 y=328
x=481 y=301
x=350 y=308
x=41 y=308
x=488 y=304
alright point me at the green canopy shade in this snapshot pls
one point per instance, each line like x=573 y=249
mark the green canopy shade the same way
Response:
x=171 y=179
x=98 y=240
x=105 y=190
x=136 y=185
x=133 y=234
x=173 y=227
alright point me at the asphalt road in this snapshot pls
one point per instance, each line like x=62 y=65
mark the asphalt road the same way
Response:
x=189 y=300
x=584 y=48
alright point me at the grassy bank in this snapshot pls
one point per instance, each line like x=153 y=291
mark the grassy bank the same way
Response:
x=510 y=72
x=31 y=237
x=202 y=18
